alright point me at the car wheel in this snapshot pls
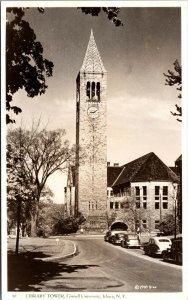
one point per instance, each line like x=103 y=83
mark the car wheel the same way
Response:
x=165 y=257
x=177 y=259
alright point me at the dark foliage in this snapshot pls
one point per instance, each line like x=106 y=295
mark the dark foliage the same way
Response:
x=68 y=225
x=111 y=12
x=26 y=68
x=168 y=225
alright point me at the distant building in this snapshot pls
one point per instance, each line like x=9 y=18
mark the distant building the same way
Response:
x=142 y=193
x=139 y=193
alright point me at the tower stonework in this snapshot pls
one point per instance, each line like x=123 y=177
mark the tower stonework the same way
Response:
x=91 y=140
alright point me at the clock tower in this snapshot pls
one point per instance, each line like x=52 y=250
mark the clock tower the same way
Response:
x=91 y=141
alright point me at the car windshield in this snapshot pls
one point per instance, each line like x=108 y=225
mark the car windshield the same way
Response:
x=164 y=241
x=133 y=237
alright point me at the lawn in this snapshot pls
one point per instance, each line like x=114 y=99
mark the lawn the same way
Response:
x=27 y=269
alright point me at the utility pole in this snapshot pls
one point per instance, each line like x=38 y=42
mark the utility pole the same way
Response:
x=175 y=209
x=160 y=207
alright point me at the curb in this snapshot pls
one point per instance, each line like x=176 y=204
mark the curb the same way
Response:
x=75 y=251
x=148 y=258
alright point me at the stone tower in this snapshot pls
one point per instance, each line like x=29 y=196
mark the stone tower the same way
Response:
x=91 y=141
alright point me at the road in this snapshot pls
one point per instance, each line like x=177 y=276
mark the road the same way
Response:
x=102 y=267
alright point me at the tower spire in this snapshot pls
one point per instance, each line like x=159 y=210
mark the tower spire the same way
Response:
x=92 y=61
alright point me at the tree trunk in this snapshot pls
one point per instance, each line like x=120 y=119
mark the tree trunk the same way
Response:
x=34 y=219
x=18 y=225
x=33 y=225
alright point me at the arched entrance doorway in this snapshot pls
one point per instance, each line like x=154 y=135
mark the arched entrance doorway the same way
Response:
x=119 y=225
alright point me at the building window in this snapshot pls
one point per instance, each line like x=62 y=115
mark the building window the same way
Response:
x=111 y=205
x=144 y=224
x=137 y=192
x=144 y=205
x=89 y=205
x=98 y=90
x=144 y=192
x=93 y=90
x=165 y=193
x=165 y=205
x=96 y=204
x=111 y=193
x=157 y=224
x=157 y=192
x=156 y=205
x=88 y=88
x=137 y=189
x=116 y=205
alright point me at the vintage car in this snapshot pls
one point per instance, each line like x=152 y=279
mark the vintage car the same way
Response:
x=156 y=245
x=174 y=253
x=107 y=235
x=130 y=241
x=117 y=238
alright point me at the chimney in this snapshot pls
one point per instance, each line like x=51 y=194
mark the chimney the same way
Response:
x=108 y=164
x=116 y=164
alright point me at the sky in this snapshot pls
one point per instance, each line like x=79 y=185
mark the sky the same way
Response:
x=135 y=56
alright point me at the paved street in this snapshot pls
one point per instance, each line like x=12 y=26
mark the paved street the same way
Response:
x=100 y=266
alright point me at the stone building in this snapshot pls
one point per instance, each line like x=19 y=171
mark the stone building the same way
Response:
x=142 y=194
x=139 y=194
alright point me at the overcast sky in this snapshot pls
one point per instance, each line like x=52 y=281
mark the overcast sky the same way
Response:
x=135 y=57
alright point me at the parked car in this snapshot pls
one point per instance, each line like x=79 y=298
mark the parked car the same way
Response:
x=156 y=245
x=174 y=253
x=117 y=238
x=107 y=235
x=130 y=241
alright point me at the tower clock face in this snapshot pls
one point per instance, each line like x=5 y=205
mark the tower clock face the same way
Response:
x=93 y=112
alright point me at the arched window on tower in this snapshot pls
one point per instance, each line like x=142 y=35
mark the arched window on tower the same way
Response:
x=93 y=90
x=98 y=90
x=88 y=88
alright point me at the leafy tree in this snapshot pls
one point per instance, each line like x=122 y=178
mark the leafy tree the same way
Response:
x=49 y=214
x=19 y=189
x=26 y=68
x=175 y=78
x=111 y=12
x=168 y=225
x=43 y=153
x=69 y=224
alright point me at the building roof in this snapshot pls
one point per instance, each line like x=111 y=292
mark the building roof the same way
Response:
x=175 y=170
x=92 y=61
x=179 y=158
x=145 y=168
x=112 y=174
